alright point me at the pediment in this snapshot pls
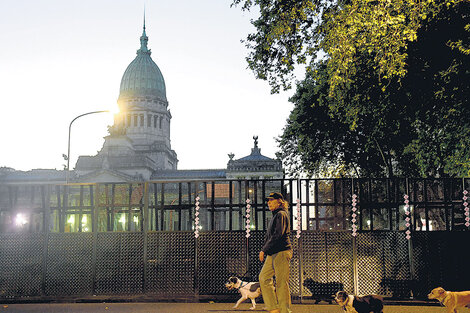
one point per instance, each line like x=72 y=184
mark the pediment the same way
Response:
x=105 y=176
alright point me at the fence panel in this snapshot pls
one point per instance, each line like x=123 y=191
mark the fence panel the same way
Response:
x=170 y=263
x=441 y=259
x=220 y=255
x=383 y=264
x=69 y=268
x=21 y=259
x=327 y=264
x=119 y=263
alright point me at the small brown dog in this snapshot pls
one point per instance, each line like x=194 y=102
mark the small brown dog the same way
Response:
x=452 y=300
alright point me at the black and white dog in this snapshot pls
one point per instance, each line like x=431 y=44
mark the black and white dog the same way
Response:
x=246 y=289
x=359 y=304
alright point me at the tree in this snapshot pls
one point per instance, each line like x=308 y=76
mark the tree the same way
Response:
x=417 y=126
x=320 y=141
x=295 y=32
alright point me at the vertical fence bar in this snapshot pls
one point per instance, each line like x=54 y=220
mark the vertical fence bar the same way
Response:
x=254 y=204
x=180 y=197
x=389 y=202
x=247 y=196
x=263 y=187
x=145 y=221
x=196 y=250
x=94 y=201
x=230 y=205
x=410 y=241
x=300 y=250
x=315 y=200
x=128 y=210
x=47 y=220
x=162 y=204
x=354 y=248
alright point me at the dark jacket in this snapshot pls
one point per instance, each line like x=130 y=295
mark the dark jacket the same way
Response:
x=277 y=236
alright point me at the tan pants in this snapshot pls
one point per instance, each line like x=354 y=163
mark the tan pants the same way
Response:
x=276 y=265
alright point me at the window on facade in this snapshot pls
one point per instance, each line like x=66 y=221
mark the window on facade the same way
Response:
x=76 y=222
x=161 y=120
x=128 y=120
x=141 y=120
x=149 y=120
x=155 y=121
x=135 y=120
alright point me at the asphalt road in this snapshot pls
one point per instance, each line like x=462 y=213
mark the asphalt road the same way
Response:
x=188 y=308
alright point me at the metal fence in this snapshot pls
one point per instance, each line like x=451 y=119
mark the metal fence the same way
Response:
x=138 y=239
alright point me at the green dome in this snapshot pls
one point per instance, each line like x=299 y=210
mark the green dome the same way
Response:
x=143 y=77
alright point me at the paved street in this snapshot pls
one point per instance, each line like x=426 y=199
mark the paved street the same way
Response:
x=187 y=308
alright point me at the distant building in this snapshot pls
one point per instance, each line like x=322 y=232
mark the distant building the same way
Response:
x=138 y=146
x=254 y=166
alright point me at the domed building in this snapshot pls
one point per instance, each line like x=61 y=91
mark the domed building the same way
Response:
x=138 y=146
x=138 y=143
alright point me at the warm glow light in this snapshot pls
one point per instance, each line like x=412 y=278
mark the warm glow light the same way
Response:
x=84 y=223
x=113 y=109
x=136 y=219
x=20 y=220
x=122 y=220
x=71 y=219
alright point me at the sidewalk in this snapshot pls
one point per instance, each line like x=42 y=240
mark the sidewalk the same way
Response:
x=187 y=308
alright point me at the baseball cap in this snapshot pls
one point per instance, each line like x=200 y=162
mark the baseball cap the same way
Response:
x=274 y=195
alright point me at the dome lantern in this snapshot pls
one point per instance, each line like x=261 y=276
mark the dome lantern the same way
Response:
x=142 y=77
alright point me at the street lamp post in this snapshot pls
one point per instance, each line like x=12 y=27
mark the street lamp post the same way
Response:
x=68 y=145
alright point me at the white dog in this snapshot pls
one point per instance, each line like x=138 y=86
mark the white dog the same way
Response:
x=246 y=289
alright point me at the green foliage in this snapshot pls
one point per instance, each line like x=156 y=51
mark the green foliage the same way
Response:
x=293 y=32
x=418 y=126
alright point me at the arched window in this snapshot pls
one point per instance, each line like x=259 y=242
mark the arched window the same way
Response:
x=149 y=120
x=141 y=120
x=155 y=121
x=135 y=120
x=161 y=120
x=128 y=120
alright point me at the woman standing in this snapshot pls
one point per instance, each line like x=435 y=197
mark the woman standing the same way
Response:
x=277 y=250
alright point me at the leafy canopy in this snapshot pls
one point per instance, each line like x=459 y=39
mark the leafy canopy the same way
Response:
x=293 y=32
x=418 y=126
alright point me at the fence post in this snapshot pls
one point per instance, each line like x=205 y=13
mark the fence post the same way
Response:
x=145 y=221
x=196 y=239
x=94 y=201
x=410 y=246
x=354 y=248
x=47 y=223
x=300 y=250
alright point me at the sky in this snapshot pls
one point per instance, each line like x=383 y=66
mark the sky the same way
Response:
x=60 y=59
